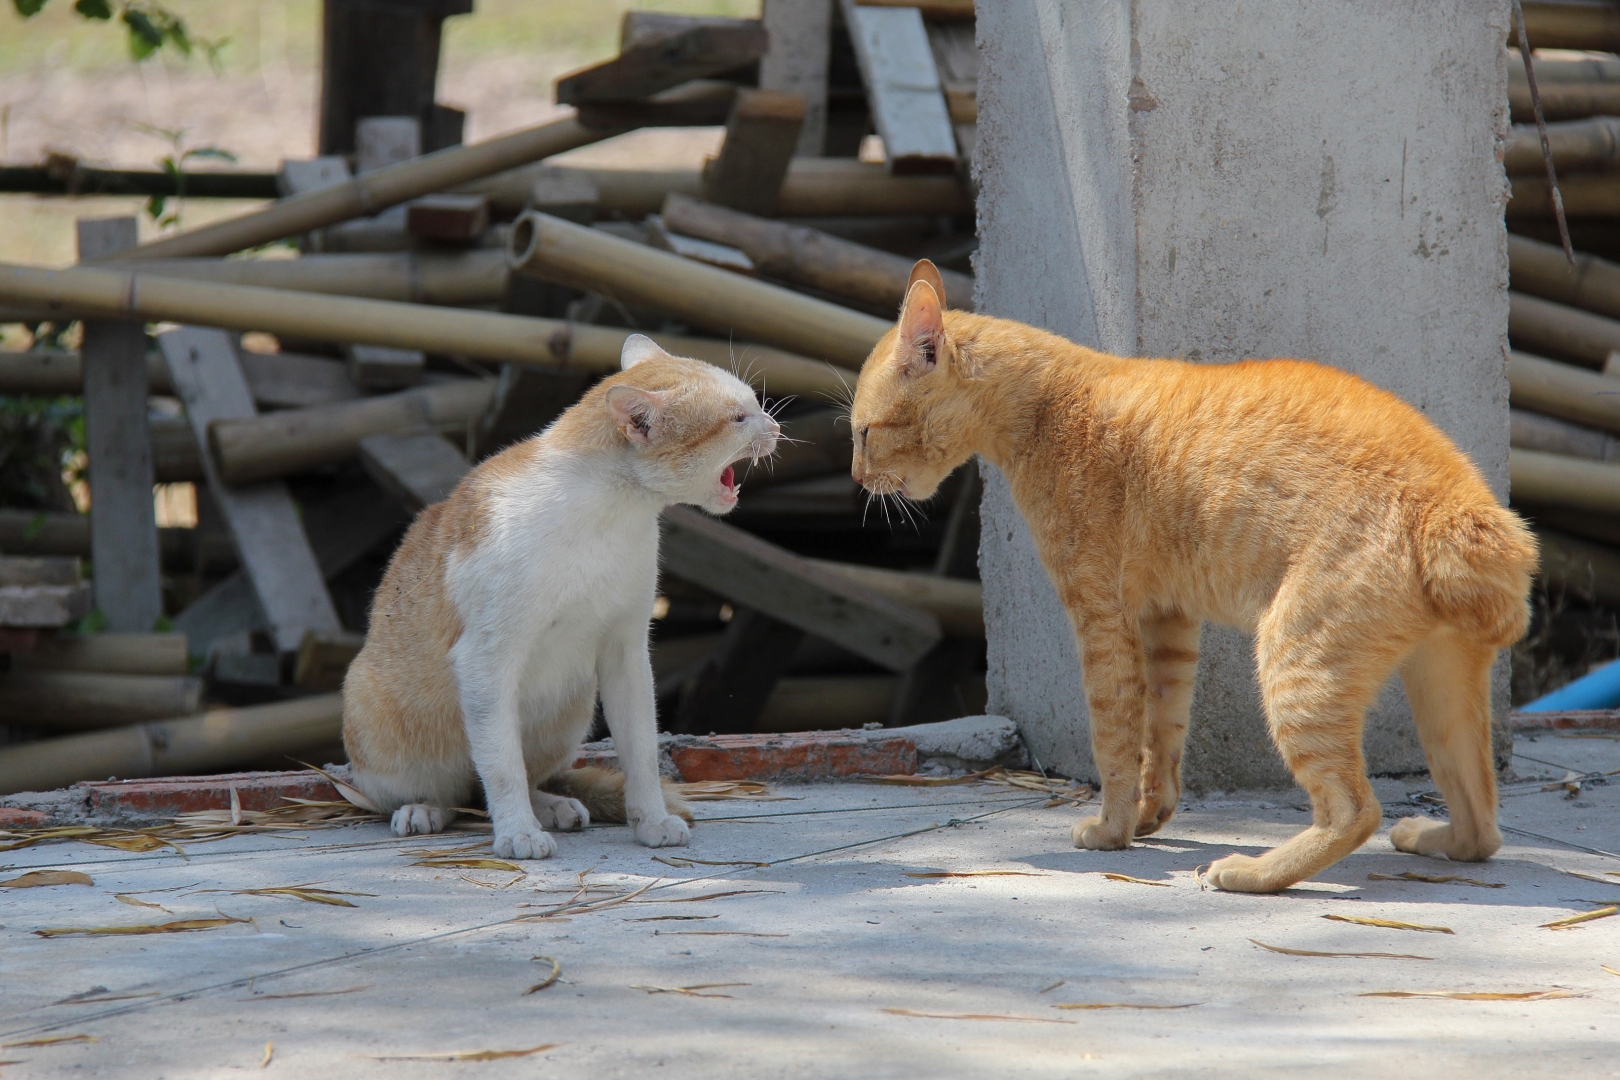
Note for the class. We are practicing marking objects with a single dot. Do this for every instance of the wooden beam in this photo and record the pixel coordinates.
(377, 367)
(801, 37)
(263, 520)
(526, 400)
(762, 134)
(902, 87)
(62, 701)
(419, 468)
(755, 573)
(664, 62)
(459, 219)
(123, 525)
(731, 688)
(382, 59)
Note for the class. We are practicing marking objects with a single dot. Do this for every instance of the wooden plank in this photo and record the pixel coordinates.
(382, 59)
(902, 87)
(452, 218)
(302, 177)
(730, 690)
(526, 400)
(296, 381)
(664, 62)
(123, 524)
(755, 573)
(381, 141)
(801, 39)
(377, 367)
(645, 27)
(762, 134)
(263, 519)
(956, 56)
(419, 468)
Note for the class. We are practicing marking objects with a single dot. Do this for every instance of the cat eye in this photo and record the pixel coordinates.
(739, 418)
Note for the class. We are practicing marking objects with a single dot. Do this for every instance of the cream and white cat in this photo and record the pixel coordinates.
(512, 603)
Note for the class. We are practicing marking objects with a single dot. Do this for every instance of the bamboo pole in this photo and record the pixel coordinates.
(1579, 566)
(1541, 270)
(1544, 326)
(52, 372)
(1563, 390)
(1533, 431)
(814, 702)
(1576, 145)
(1563, 101)
(958, 604)
(82, 701)
(814, 187)
(1591, 69)
(119, 293)
(463, 277)
(208, 743)
(375, 191)
(558, 250)
(1556, 480)
(808, 256)
(109, 654)
(1585, 195)
(1551, 24)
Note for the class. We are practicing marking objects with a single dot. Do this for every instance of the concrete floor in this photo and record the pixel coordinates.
(825, 939)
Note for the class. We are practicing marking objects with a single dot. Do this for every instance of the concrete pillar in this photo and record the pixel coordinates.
(1218, 181)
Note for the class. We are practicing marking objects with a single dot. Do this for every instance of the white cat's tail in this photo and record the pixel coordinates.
(602, 792)
(1476, 564)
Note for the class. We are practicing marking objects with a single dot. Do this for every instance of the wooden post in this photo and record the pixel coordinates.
(643, 69)
(419, 468)
(123, 523)
(731, 688)
(902, 87)
(526, 400)
(382, 59)
(264, 522)
(800, 34)
(761, 136)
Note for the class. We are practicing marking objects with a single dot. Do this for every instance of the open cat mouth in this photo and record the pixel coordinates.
(728, 484)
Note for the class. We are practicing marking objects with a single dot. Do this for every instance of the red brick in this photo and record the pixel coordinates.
(166, 796)
(1567, 720)
(809, 755)
(13, 818)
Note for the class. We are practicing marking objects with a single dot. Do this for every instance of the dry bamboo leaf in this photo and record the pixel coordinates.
(1470, 995)
(1587, 916)
(180, 927)
(1390, 924)
(672, 918)
(682, 863)
(714, 896)
(471, 864)
(689, 991)
(1052, 986)
(556, 973)
(311, 896)
(1136, 880)
(468, 1055)
(348, 792)
(36, 879)
(976, 1016)
(1442, 879)
(99, 994)
(441, 853)
(714, 933)
(1589, 877)
(908, 780)
(973, 873)
(1350, 955)
(719, 790)
(269, 1047)
(137, 842)
(306, 993)
(1610, 970)
(1121, 1005)
(125, 898)
(507, 884)
(49, 1042)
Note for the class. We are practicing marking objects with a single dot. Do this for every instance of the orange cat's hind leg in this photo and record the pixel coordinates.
(1171, 644)
(1448, 682)
(1114, 668)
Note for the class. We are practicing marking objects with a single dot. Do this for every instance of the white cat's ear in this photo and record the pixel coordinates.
(639, 347)
(922, 328)
(925, 270)
(635, 411)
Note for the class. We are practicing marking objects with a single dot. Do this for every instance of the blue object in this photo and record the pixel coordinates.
(1598, 689)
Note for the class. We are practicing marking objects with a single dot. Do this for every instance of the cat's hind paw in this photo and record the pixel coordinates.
(419, 819)
(668, 831)
(528, 842)
(559, 812)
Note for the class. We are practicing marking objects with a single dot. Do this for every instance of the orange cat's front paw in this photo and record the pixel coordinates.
(1243, 873)
(1090, 833)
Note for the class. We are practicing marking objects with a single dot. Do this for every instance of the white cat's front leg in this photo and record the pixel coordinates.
(625, 675)
(489, 710)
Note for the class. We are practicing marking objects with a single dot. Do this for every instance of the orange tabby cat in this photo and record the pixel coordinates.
(1283, 497)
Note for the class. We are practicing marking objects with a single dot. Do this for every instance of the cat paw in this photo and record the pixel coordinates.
(564, 815)
(1152, 818)
(668, 831)
(418, 819)
(1242, 873)
(1089, 833)
(524, 843)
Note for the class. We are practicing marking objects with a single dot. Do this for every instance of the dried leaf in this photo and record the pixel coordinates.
(672, 918)
(908, 780)
(976, 1016)
(1121, 1005)
(1136, 880)
(682, 863)
(306, 892)
(507, 884)
(306, 994)
(1587, 916)
(98, 994)
(36, 879)
(713, 933)
(1052, 986)
(236, 819)
(471, 864)
(1610, 970)
(1438, 880)
(125, 898)
(973, 873)
(49, 1042)
(137, 842)
(714, 896)
(348, 791)
(689, 991)
(269, 1047)
(1470, 995)
(468, 1055)
(440, 853)
(1390, 924)
(180, 927)
(1352, 955)
(718, 790)
(556, 973)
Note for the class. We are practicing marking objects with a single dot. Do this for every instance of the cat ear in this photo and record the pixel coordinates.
(639, 347)
(635, 411)
(924, 270)
(922, 328)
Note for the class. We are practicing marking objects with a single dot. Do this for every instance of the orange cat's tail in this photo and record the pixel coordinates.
(601, 791)
(1476, 564)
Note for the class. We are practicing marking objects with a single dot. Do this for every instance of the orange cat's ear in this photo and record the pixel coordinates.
(922, 328)
(924, 270)
(635, 411)
(639, 347)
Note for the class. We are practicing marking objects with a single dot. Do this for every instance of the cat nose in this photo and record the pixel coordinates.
(857, 473)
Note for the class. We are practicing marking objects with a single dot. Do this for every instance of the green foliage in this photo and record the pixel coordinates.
(40, 438)
(150, 26)
(173, 163)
